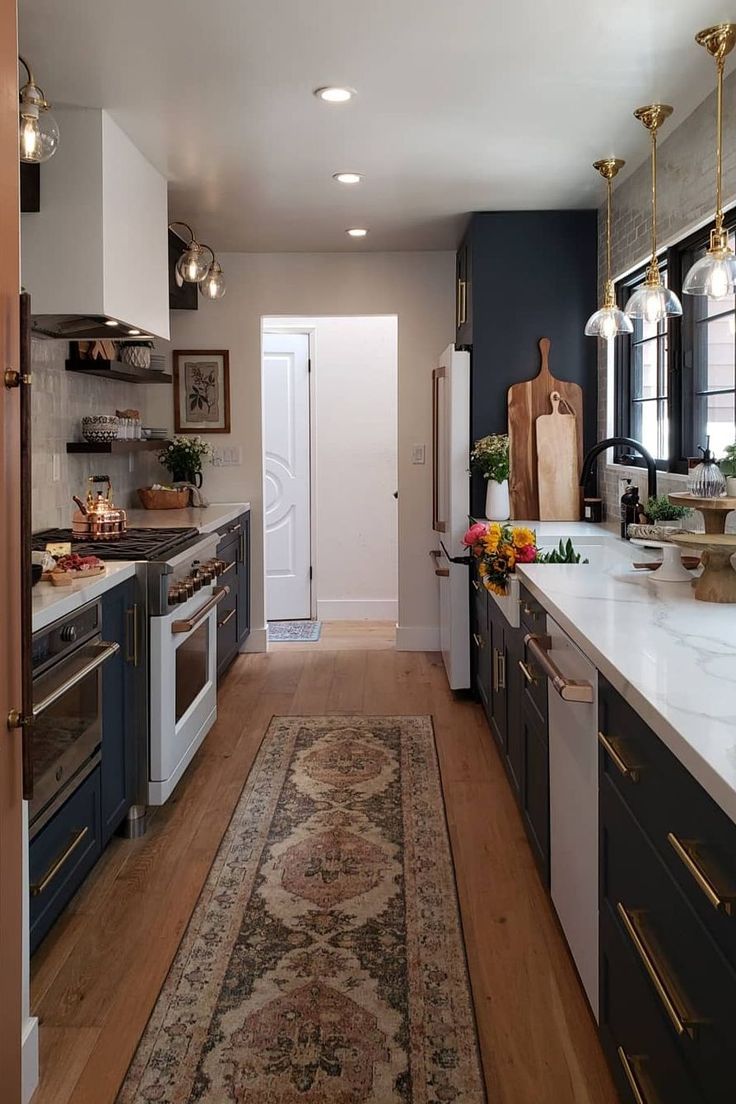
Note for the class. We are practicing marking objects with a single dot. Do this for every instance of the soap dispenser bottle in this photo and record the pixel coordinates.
(706, 479)
(629, 508)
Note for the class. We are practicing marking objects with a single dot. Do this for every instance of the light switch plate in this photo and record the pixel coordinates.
(418, 454)
(56, 467)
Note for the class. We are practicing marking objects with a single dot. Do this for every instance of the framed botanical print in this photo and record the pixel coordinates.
(201, 391)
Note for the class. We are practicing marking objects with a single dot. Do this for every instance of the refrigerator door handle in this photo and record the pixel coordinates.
(438, 524)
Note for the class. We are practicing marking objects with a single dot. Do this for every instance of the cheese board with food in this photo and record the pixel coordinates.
(72, 567)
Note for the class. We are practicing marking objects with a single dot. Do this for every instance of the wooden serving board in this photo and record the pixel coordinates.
(526, 402)
(557, 463)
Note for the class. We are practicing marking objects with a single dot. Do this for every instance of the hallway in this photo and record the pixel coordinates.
(98, 974)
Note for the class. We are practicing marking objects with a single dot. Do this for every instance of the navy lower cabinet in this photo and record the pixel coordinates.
(233, 613)
(123, 680)
(667, 910)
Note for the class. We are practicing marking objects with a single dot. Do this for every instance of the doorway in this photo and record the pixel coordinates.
(330, 462)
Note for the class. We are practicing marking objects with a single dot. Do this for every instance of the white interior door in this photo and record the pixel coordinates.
(286, 475)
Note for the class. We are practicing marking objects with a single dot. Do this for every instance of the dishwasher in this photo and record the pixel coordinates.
(572, 682)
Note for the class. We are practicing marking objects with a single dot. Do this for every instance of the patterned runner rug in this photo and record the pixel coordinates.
(300, 631)
(324, 962)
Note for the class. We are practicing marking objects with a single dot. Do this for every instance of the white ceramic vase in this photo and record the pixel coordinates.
(497, 500)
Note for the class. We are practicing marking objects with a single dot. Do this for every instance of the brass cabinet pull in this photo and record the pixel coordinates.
(235, 528)
(462, 303)
(443, 572)
(228, 617)
(722, 900)
(241, 548)
(494, 671)
(528, 609)
(631, 1077)
(682, 1020)
(478, 640)
(501, 677)
(476, 584)
(571, 690)
(528, 674)
(191, 623)
(90, 657)
(628, 770)
(59, 862)
(230, 567)
(131, 614)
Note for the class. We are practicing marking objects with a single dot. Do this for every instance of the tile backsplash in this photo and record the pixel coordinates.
(60, 400)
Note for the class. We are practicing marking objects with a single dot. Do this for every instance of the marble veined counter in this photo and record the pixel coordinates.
(672, 658)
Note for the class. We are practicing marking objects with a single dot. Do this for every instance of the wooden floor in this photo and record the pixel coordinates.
(96, 977)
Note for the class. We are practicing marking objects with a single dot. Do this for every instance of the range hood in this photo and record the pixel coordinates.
(95, 257)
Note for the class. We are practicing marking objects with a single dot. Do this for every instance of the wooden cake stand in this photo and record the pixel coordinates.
(718, 581)
(714, 510)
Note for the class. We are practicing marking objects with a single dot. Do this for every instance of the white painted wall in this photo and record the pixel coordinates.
(419, 289)
(354, 457)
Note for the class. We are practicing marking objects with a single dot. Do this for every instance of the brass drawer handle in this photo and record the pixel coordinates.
(37, 888)
(235, 528)
(501, 678)
(722, 900)
(570, 690)
(527, 609)
(631, 1077)
(228, 617)
(230, 567)
(191, 623)
(476, 584)
(528, 674)
(131, 635)
(628, 770)
(681, 1019)
(494, 671)
(479, 640)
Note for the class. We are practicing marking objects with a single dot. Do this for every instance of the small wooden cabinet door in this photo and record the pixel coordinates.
(122, 622)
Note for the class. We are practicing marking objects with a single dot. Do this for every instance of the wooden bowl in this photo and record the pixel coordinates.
(177, 499)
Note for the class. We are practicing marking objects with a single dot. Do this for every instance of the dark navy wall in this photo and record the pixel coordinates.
(534, 274)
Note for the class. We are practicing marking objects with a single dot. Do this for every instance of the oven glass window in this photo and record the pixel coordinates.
(63, 738)
(192, 665)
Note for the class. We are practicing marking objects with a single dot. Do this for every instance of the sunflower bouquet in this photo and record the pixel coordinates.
(498, 547)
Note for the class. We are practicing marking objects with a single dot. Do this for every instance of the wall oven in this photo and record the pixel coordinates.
(65, 738)
(183, 680)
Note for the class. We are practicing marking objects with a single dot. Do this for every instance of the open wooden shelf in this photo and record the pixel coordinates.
(115, 446)
(116, 370)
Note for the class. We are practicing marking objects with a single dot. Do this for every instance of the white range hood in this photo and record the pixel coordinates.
(98, 248)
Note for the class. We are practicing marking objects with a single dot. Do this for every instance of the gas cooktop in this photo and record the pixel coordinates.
(135, 544)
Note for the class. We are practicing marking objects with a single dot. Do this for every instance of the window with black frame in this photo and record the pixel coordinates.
(676, 379)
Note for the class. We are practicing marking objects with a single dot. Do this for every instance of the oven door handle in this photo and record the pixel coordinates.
(102, 651)
(191, 623)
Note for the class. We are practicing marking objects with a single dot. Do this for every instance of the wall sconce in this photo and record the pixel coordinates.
(38, 132)
(195, 267)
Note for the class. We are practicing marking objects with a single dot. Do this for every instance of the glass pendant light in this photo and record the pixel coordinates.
(38, 133)
(194, 263)
(714, 274)
(213, 284)
(609, 321)
(653, 301)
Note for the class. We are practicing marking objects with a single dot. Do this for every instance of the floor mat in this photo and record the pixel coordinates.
(324, 961)
(303, 631)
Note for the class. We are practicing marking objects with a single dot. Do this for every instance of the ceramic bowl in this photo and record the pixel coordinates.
(100, 428)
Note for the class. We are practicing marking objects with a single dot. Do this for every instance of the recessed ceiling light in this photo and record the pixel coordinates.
(332, 93)
(347, 178)
(111, 322)
(134, 333)
(356, 232)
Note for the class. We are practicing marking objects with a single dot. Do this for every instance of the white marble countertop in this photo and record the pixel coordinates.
(205, 518)
(671, 657)
(52, 602)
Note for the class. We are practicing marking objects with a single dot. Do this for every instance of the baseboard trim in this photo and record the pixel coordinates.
(256, 641)
(417, 638)
(358, 609)
(29, 1061)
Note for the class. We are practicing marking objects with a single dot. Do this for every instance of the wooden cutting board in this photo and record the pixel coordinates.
(526, 402)
(557, 463)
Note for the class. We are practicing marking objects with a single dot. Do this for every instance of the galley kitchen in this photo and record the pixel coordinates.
(367, 534)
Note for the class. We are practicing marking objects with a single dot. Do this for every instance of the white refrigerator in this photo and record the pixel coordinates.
(450, 503)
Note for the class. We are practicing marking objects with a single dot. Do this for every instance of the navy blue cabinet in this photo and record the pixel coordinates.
(122, 621)
(233, 620)
(522, 275)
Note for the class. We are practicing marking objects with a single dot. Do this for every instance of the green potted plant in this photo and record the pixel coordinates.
(660, 511)
(490, 456)
(728, 467)
(183, 457)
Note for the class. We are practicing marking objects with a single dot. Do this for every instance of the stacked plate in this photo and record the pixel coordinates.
(158, 362)
(155, 433)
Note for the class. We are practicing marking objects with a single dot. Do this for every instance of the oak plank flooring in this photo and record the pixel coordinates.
(97, 976)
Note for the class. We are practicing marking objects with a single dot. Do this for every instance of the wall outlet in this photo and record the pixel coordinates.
(217, 460)
(418, 454)
(232, 455)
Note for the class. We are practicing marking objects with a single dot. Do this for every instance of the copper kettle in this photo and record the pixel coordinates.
(99, 519)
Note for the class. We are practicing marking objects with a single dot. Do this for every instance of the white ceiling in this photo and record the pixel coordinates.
(462, 105)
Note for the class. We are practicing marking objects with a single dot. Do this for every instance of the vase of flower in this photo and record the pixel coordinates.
(183, 459)
(490, 457)
(497, 500)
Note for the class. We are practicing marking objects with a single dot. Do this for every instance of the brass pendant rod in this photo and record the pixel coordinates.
(654, 195)
(609, 188)
(719, 145)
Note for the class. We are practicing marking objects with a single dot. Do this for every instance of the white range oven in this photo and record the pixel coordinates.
(182, 663)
